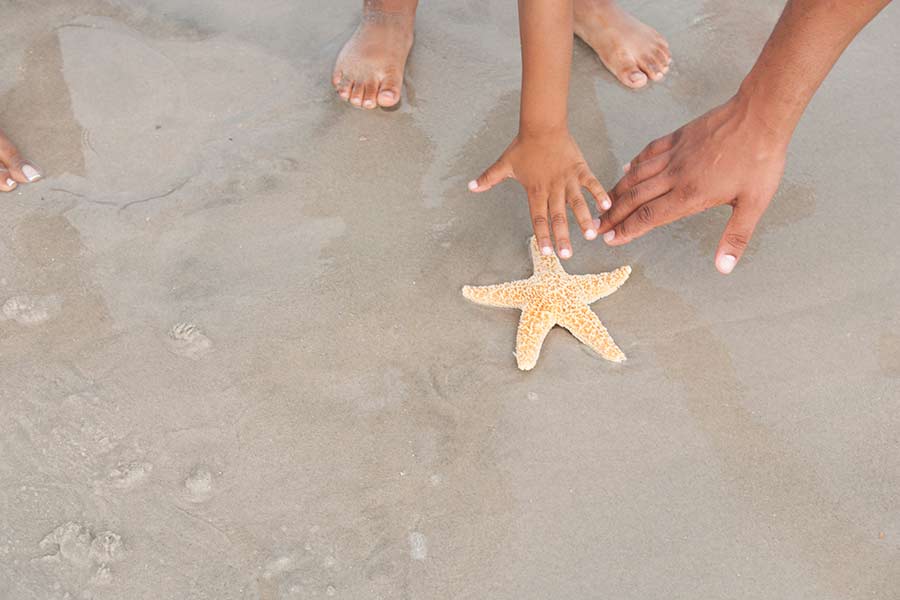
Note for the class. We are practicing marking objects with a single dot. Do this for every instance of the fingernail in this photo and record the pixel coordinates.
(725, 263)
(31, 174)
(565, 253)
(637, 77)
(590, 234)
(609, 236)
(606, 203)
(473, 185)
(10, 182)
(546, 250)
(626, 167)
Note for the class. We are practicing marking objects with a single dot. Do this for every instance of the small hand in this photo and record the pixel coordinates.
(723, 157)
(13, 168)
(552, 170)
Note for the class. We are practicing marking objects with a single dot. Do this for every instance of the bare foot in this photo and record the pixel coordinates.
(369, 69)
(13, 168)
(631, 50)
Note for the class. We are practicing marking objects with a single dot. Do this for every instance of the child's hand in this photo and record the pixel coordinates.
(552, 170)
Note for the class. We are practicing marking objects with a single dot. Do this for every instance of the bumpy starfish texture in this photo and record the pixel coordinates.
(550, 297)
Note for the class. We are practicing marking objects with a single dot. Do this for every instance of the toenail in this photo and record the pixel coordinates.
(626, 167)
(31, 174)
(10, 182)
(565, 253)
(609, 236)
(546, 250)
(388, 95)
(637, 77)
(473, 185)
(370, 104)
(590, 234)
(606, 203)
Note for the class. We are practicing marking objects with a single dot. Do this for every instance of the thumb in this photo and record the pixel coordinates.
(496, 173)
(738, 232)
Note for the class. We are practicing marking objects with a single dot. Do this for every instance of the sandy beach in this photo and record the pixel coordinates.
(235, 362)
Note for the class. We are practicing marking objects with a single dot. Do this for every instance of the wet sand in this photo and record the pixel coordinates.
(235, 362)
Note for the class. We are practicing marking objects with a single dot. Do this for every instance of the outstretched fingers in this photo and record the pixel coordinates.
(738, 231)
(581, 211)
(537, 206)
(494, 174)
(654, 148)
(559, 223)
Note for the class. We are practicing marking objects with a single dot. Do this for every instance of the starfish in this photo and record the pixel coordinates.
(550, 297)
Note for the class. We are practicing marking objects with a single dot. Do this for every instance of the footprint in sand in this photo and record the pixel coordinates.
(198, 486)
(188, 340)
(77, 545)
(126, 476)
(30, 310)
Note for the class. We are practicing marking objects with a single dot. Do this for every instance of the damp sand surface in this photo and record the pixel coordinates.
(235, 362)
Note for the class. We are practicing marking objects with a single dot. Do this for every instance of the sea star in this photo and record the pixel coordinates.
(550, 297)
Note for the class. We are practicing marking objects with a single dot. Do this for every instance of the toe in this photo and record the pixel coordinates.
(653, 70)
(343, 89)
(628, 71)
(369, 95)
(389, 93)
(7, 183)
(336, 78)
(356, 94)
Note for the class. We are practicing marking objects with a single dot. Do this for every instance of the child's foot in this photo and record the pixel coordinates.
(369, 69)
(632, 51)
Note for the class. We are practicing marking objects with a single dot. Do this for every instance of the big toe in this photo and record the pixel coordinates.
(389, 93)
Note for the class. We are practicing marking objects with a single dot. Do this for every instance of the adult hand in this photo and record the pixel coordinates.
(552, 170)
(726, 156)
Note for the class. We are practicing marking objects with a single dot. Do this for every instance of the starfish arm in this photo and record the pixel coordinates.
(534, 325)
(586, 326)
(594, 287)
(541, 263)
(504, 295)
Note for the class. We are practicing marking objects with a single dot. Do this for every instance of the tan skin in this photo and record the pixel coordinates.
(735, 153)
(544, 157)
(14, 169)
(368, 72)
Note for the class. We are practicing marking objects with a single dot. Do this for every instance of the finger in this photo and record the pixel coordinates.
(654, 148)
(738, 231)
(640, 171)
(7, 183)
(20, 170)
(601, 198)
(494, 174)
(632, 198)
(537, 206)
(657, 212)
(559, 223)
(581, 211)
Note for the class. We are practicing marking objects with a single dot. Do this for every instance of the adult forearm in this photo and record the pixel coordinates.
(806, 42)
(546, 34)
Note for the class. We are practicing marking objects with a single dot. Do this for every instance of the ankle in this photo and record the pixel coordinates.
(389, 10)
